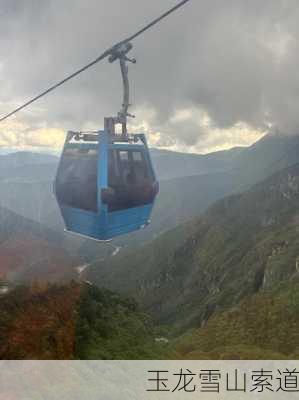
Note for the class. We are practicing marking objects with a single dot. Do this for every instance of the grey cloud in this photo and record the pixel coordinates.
(235, 59)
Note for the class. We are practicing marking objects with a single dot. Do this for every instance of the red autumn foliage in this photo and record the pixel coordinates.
(39, 322)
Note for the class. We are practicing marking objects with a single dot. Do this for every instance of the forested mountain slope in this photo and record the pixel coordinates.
(264, 326)
(73, 321)
(242, 244)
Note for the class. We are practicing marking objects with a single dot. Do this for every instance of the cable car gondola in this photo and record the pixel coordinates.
(105, 184)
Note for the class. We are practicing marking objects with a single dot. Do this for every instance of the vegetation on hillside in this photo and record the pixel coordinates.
(109, 327)
(38, 322)
(83, 322)
(264, 326)
(73, 321)
(242, 244)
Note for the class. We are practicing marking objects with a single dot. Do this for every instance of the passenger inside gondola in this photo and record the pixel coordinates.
(130, 180)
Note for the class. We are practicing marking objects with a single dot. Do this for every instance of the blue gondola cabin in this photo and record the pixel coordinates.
(105, 187)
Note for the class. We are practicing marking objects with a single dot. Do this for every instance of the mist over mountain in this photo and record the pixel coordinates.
(30, 251)
(188, 185)
(170, 164)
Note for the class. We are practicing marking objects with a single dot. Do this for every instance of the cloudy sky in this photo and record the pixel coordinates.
(216, 74)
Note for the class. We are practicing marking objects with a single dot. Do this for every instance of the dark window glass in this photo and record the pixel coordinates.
(141, 171)
(76, 183)
(130, 180)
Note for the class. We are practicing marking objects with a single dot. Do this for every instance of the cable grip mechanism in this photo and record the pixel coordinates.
(119, 52)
